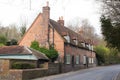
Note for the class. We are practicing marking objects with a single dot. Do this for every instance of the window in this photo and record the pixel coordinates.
(76, 41)
(83, 44)
(77, 59)
(87, 45)
(92, 47)
(90, 60)
(67, 38)
(68, 59)
(84, 59)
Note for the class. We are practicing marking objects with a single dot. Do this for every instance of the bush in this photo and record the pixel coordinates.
(3, 39)
(102, 53)
(1, 44)
(19, 65)
(51, 53)
(35, 45)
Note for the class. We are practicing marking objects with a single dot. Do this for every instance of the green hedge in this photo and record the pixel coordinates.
(51, 53)
(19, 65)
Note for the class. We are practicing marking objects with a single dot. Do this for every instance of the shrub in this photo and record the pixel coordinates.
(51, 53)
(19, 65)
(1, 44)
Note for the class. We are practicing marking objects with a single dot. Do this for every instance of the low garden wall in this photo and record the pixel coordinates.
(25, 74)
(31, 73)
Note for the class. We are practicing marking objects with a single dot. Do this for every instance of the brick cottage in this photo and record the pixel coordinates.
(75, 52)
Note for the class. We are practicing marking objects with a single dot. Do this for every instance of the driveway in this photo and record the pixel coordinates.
(98, 73)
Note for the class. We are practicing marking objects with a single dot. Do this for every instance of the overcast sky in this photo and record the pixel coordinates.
(19, 11)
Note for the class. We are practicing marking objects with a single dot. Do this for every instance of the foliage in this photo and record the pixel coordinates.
(23, 30)
(85, 29)
(111, 8)
(111, 32)
(51, 53)
(19, 65)
(101, 53)
(3, 39)
(35, 45)
(11, 42)
(107, 55)
(1, 44)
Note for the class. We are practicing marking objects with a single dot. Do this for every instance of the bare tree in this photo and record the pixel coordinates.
(23, 29)
(111, 8)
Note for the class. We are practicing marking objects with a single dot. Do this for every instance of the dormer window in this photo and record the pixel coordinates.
(83, 44)
(92, 47)
(67, 37)
(75, 41)
(87, 45)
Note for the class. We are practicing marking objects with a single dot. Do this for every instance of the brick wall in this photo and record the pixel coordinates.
(25, 74)
(73, 51)
(38, 30)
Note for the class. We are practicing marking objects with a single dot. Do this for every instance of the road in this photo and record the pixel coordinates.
(98, 73)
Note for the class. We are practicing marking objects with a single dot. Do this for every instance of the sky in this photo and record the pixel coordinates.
(21, 11)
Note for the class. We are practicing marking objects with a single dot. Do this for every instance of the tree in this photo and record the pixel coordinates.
(111, 8)
(111, 32)
(23, 29)
(3, 40)
(85, 29)
(101, 54)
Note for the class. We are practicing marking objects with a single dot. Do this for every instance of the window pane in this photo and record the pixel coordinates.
(77, 59)
(68, 59)
(84, 59)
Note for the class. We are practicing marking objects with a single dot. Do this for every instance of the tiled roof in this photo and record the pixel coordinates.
(21, 50)
(62, 30)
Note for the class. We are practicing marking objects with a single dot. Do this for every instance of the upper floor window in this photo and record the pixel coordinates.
(67, 37)
(87, 45)
(83, 44)
(92, 47)
(76, 41)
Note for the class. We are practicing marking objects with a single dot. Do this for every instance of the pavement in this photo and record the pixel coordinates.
(97, 73)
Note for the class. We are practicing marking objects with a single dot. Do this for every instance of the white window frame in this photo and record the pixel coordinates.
(68, 59)
(84, 59)
(76, 41)
(77, 59)
(67, 37)
(92, 61)
(83, 44)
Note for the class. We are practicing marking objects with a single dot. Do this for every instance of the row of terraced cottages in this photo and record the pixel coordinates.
(75, 52)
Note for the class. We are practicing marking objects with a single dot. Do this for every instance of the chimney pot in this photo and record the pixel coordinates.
(47, 3)
(61, 21)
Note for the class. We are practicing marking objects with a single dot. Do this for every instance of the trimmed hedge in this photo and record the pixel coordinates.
(19, 65)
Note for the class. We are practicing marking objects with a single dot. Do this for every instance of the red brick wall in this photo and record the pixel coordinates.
(33, 32)
(38, 30)
(73, 51)
(59, 45)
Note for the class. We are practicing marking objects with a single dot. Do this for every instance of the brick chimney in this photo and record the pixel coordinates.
(46, 17)
(61, 21)
(46, 11)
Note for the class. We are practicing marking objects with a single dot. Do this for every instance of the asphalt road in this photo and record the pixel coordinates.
(98, 73)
